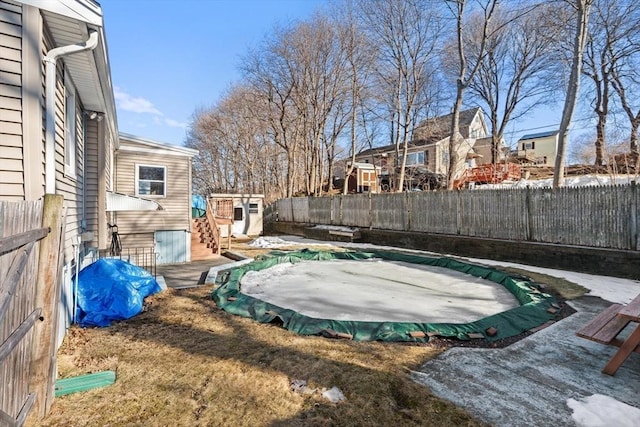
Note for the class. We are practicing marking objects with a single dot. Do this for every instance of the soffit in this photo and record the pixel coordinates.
(81, 66)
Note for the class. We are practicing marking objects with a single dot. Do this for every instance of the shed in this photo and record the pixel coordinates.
(247, 213)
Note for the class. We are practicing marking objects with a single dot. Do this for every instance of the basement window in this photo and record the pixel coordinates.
(151, 180)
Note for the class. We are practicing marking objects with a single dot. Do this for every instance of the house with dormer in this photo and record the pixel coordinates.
(429, 147)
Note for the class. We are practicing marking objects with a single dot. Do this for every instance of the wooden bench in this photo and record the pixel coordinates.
(606, 327)
(351, 234)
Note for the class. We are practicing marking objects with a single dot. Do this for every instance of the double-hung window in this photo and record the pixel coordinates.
(151, 180)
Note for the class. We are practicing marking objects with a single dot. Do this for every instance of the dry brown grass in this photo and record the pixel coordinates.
(184, 362)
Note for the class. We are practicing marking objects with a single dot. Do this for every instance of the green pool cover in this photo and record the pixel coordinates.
(536, 307)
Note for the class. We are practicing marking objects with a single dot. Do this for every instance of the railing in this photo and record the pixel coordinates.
(223, 208)
(145, 258)
(213, 225)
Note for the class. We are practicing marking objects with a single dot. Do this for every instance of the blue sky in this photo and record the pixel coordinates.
(169, 57)
(172, 57)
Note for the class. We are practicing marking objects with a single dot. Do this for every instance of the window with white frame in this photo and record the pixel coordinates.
(70, 123)
(253, 208)
(414, 159)
(151, 180)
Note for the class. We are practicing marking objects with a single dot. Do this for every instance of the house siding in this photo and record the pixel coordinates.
(91, 179)
(11, 144)
(137, 228)
(67, 186)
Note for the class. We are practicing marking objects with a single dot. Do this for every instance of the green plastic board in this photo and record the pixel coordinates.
(84, 382)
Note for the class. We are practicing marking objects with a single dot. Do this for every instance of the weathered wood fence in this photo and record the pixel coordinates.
(29, 265)
(596, 216)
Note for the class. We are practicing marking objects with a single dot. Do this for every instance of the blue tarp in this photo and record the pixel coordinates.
(112, 289)
(198, 202)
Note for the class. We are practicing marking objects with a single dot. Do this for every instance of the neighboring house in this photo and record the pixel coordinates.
(472, 125)
(149, 171)
(58, 126)
(538, 149)
(429, 147)
(482, 148)
(247, 213)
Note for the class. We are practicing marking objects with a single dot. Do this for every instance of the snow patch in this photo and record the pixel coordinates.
(569, 181)
(603, 411)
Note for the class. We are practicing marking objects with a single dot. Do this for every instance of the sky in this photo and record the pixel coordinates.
(170, 58)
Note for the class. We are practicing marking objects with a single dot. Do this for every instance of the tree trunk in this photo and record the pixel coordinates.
(454, 140)
(600, 137)
(572, 90)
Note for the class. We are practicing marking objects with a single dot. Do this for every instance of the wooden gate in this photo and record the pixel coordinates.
(27, 318)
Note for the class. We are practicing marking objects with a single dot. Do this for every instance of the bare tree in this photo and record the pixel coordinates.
(582, 19)
(406, 34)
(625, 53)
(515, 69)
(611, 43)
(466, 70)
(268, 72)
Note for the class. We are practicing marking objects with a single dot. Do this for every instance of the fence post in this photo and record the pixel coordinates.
(635, 245)
(43, 369)
(527, 213)
(370, 212)
(458, 213)
(407, 205)
(293, 215)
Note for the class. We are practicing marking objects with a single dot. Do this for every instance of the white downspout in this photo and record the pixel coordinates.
(50, 107)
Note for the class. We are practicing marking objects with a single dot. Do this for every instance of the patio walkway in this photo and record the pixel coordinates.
(188, 275)
(529, 382)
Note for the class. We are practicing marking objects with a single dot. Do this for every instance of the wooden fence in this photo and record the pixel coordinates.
(596, 216)
(29, 279)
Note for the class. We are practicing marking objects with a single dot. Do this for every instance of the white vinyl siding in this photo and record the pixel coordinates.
(11, 148)
(70, 123)
(91, 178)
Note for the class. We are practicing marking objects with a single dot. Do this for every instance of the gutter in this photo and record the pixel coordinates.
(50, 60)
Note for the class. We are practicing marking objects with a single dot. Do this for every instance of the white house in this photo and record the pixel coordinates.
(538, 148)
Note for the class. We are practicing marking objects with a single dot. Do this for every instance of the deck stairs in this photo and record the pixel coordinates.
(206, 239)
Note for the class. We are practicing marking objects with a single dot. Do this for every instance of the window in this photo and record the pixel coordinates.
(253, 208)
(414, 159)
(70, 122)
(237, 214)
(529, 145)
(151, 180)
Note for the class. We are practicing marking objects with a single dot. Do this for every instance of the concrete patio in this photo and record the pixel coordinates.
(529, 382)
